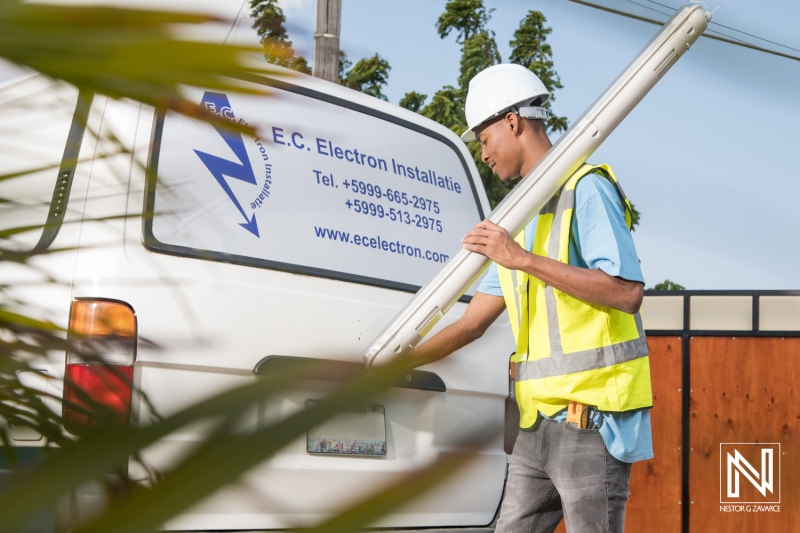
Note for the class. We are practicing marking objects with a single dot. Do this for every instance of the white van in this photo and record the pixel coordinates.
(222, 256)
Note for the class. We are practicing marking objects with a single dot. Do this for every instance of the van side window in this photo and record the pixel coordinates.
(41, 126)
(330, 188)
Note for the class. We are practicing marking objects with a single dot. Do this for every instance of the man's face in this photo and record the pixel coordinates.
(500, 149)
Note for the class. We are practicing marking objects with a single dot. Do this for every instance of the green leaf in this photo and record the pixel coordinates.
(127, 53)
(227, 455)
(8, 318)
(101, 451)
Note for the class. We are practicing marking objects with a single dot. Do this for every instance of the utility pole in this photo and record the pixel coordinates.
(326, 40)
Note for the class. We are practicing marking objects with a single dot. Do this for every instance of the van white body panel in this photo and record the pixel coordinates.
(204, 323)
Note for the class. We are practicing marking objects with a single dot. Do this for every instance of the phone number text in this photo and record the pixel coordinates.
(395, 215)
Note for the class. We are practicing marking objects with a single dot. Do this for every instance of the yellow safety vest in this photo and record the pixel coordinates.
(568, 349)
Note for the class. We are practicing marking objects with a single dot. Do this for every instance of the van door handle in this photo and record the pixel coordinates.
(327, 370)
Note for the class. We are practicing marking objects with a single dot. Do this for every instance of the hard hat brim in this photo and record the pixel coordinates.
(468, 136)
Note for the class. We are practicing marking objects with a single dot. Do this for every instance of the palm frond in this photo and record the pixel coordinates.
(127, 53)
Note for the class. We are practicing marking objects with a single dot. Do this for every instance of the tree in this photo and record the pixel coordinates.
(468, 20)
(465, 17)
(413, 101)
(668, 285)
(529, 48)
(479, 52)
(270, 23)
(369, 75)
(447, 108)
(635, 216)
(344, 66)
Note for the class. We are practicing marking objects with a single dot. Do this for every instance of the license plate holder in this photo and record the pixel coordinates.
(359, 431)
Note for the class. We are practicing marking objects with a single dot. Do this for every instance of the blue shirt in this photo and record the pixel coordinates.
(599, 238)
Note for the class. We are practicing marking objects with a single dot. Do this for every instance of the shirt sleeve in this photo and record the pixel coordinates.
(600, 235)
(491, 282)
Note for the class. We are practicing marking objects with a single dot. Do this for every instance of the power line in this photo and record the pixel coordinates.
(238, 14)
(724, 26)
(670, 14)
(722, 35)
(651, 8)
(729, 40)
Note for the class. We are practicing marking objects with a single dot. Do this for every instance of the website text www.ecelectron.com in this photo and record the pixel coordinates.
(378, 243)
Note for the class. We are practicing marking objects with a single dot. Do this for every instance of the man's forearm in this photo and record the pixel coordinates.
(481, 312)
(590, 285)
(447, 341)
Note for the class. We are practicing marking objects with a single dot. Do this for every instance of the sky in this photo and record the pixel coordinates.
(707, 157)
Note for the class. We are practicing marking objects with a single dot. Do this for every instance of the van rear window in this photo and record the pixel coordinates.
(329, 188)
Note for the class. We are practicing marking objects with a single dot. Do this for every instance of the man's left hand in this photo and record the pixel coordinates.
(495, 243)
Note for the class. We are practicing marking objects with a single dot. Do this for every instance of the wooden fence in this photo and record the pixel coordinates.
(725, 367)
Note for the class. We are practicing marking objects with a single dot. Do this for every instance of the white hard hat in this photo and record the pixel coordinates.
(500, 88)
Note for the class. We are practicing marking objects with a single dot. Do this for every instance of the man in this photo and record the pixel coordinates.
(572, 285)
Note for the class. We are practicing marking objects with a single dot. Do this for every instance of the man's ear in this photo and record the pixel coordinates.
(513, 122)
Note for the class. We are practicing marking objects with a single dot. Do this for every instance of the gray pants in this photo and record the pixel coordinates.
(559, 471)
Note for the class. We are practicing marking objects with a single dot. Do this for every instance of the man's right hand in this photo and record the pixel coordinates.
(496, 243)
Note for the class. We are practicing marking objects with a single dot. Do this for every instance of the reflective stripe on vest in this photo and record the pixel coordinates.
(568, 349)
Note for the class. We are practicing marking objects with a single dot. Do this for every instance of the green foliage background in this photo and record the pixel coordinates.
(467, 20)
(668, 285)
(270, 24)
(369, 74)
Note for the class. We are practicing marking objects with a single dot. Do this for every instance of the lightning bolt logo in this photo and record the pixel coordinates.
(221, 168)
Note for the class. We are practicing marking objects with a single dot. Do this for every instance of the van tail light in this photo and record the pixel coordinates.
(512, 411)
(98, 379)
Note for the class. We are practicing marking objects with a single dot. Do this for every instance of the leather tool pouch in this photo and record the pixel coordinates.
(578, 415)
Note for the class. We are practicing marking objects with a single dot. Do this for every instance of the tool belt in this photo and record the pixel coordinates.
(579, 415)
